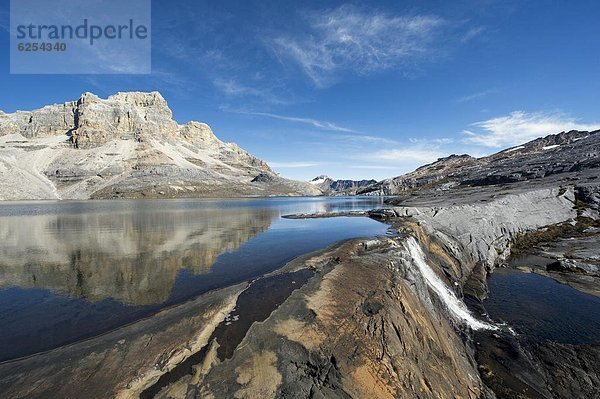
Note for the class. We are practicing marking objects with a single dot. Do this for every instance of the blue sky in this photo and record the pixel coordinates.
(357, 89)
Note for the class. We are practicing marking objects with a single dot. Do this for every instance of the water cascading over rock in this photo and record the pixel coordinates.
(454, 305)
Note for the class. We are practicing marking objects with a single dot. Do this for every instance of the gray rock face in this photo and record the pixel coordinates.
(140, 116)
(127, 145)
(48, 121)
(557, 154)
(589, 194)
(348, 187)
(365, 327)
(487, 229)
(476, 228)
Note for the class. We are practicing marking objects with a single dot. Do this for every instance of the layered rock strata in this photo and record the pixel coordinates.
(127, 145)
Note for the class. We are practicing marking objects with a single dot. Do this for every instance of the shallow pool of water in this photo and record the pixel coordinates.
(542, 308)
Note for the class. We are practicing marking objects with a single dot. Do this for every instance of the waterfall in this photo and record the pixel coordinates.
(456, 307)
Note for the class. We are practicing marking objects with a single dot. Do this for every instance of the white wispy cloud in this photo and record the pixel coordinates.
(323, 125)
(399, 160)
(364, 41)
(173, 81)
(434, 141)
(476, 96)
(408, 155)
(342, 133)
(472, 33)
(232, 88)
(110, 58)
(519, 127)
(365, 138)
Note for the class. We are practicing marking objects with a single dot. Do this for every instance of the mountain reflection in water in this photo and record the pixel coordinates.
(71, 270)
(133, 257)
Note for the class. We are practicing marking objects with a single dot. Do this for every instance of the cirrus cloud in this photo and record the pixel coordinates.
(519, 127)
(364, 41)
(409, 155)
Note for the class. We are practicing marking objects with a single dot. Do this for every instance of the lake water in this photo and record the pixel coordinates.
(542, 308)
(72, 270)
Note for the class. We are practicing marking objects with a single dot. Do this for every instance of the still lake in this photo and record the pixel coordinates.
(75, 269)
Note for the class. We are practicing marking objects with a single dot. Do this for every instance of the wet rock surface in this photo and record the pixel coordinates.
(360, 328)
(550, 224)
(527, 365)
(472, 231)
(523, 368)
(123, 362)
(569, 253)
(254, 305)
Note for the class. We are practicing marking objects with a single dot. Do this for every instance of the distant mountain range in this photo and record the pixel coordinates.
(551, 155)
(330, 186)
(127, 145)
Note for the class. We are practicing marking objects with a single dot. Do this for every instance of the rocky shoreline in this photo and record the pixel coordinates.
(480, 235)
(325, 215)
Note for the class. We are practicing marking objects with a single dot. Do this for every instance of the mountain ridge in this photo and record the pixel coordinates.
(340, 187)
(126, 145)
(553, 154)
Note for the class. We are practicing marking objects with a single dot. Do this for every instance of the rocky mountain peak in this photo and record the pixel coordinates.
(92, 121)
(198, 132)
(321, 178)
(125, 145)
(141, 99)
(136, 115)
(88, 97)
(453, 157)
(558, 139)
(330, 186)
(555, 154)
(451, 160)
